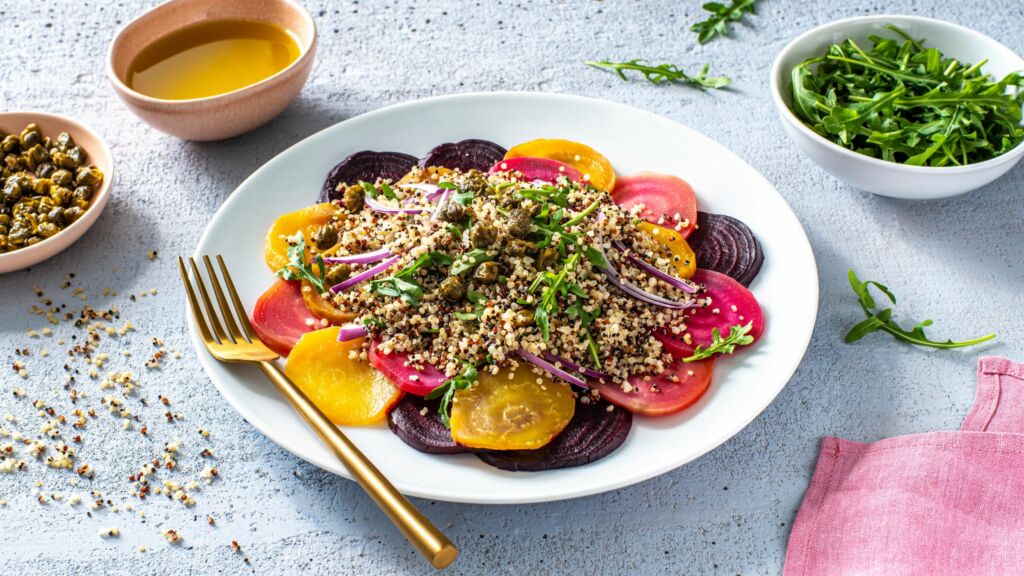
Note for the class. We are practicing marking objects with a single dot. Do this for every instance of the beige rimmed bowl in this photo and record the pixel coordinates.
(224, 115)
(99, 155)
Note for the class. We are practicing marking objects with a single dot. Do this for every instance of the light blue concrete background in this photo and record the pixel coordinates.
(957, 261)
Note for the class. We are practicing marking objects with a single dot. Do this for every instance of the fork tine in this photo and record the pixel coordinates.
(225, 308)
(197, 312)
(214, 321)
(243, 318)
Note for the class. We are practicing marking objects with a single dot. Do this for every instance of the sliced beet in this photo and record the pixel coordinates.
(406, 378)
(731, 305)
(465, 155)
(366, 166)
(725, 244)
(537, 169)
(418, 424)
(592, 434)
(679, 386)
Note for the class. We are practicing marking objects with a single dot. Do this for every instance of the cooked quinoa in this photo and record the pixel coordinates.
(489, 315)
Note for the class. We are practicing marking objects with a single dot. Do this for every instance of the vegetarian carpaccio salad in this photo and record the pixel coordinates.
(522, 305)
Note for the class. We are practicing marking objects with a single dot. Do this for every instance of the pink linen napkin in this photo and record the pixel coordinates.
(924, 504)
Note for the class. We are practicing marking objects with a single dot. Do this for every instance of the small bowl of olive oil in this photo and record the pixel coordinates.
(213, 69)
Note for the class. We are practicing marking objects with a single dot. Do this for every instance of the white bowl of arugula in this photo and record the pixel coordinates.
(902, 106)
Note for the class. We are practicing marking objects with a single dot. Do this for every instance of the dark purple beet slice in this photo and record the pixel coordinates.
(726, 245)
(465, 155)
(424, 432)
(592, 434)
(366, 166)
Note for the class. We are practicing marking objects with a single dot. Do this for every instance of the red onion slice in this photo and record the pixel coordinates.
(639, 294)
(364, 275)
(364, 258)
(588, 372)
(351, 332)
(551, 368)
(378, 206)
(650, 269)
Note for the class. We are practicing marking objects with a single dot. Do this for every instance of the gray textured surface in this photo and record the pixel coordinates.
(727, 513)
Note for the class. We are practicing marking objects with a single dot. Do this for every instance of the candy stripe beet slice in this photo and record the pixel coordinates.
(406, 378)
(418, 424)
(366, 166)
(538, 169)
(592, 434)
(465, 155)
(731, 305)
(725, 244)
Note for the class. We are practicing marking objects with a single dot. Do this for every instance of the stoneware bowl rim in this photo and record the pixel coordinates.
(306, 48)
(32, 255)
(781, 103)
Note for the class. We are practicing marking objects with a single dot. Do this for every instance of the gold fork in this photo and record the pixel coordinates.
(243, 345)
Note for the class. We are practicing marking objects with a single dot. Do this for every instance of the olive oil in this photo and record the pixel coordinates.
(211, 58)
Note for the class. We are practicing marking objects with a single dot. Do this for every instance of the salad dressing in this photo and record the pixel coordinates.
(211, 58)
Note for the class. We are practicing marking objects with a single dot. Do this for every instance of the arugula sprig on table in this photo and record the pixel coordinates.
(738, 336)
(721, 19)
(902, 102)
(660, 73)
(881, 320)
(298, 269)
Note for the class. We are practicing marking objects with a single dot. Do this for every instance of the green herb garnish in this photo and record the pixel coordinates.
(469, 261)
(555, 286)
(385, 190)
(902, 102)
(478, 301)
(738, 336)
(721, 18)
(447, 390)
(298, 269)
(402, 285)
(882, 320)
(656, 74)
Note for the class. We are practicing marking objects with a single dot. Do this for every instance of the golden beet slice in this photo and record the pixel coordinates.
(306, 220)
(683, 259)
(349, 391)
(592, 164)
(499, 413)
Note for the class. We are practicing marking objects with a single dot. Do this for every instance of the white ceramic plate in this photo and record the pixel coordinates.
(634, 141)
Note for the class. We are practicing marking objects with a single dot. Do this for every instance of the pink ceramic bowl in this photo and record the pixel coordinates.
(99, 156)
(224, 115)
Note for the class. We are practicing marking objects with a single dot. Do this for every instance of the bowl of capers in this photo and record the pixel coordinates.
(55, 177)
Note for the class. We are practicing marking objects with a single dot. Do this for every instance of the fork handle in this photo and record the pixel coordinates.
(431, 542)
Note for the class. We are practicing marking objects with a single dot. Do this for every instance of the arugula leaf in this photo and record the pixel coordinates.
(595, 257)
(721, 17)
(738, 336)
(372, 191)
(428, 260)
(469, 261)
(555, 286)
(658, 73)
(577, 311)
(447, 390)
(298, 269)
(478, 301)
(882, 320)
(396, 287)
(901, 102)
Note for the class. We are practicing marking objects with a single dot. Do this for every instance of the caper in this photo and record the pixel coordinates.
(47, 229)
(82, 194)
(72, 214)
(482, 234)
(476, 182)
(62, 177)
(10, 144)
(35, 156)
(64, 141)
(325, 236)
(42, 186)
(452, 289)
(519, 247)
(354, 198)
(63, 160)
(11, 191)
(45, 170)
(337, 274)
(88, 176)
(486, 272)
(547, 257)
(451, 211)
(523, 318)
(520, 222)
(33, 240)
(78, 155)
(30, 136)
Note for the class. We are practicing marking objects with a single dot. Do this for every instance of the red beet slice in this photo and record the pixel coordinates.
(538, 169)
(366, 166)
(279, 317)
(731, 304)
(418, 424)
(725, 244)
(663, 196)
(465, 155)
(406, 378)
(678, 387)
(592, 434)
